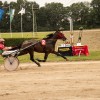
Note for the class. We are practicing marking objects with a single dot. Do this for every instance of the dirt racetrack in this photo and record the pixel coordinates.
(52, 81)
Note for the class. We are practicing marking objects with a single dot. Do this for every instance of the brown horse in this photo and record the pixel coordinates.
(29, 46)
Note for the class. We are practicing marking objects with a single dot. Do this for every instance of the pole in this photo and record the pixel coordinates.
(22, 25)
(0, 34)
(21, 22)
(71, 25)
(71, 31)
(33, 19)
(10, 22)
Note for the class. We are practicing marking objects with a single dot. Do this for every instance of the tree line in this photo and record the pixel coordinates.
(51, 16)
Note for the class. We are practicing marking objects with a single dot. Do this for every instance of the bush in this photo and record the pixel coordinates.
(14, 41)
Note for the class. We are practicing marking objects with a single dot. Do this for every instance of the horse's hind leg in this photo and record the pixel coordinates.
(32, 59)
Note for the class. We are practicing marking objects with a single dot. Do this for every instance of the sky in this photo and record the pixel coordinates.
(42, 2)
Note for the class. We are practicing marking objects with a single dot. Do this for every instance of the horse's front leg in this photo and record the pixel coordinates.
(32, 58)
(45, 58)
(58, 54)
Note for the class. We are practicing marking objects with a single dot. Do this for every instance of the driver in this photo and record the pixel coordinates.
(3, 47)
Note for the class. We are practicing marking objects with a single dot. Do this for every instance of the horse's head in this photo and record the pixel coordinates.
(60, 36)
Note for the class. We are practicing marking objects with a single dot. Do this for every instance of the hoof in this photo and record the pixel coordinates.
(39, 60)
(67, 59)
(39, 65)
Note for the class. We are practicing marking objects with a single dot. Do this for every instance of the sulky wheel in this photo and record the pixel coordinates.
(11, 63)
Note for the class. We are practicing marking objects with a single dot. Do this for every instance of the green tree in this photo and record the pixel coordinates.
(54, 13)
(52, 16)
(1, 3)
(96, 12)
(79, 13)
(42, 19)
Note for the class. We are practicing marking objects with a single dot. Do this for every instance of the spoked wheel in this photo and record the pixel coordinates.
(11, 63)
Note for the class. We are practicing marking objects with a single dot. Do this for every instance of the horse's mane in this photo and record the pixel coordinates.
(49, 36)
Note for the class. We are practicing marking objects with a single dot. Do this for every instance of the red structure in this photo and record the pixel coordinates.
(80, 50)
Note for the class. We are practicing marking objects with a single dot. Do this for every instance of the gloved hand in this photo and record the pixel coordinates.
(9, 47)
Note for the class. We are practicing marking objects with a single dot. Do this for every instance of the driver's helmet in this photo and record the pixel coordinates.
(2, 40)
